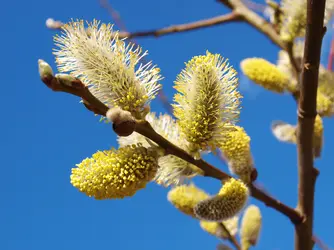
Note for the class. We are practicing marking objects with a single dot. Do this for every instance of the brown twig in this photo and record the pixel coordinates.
(230, 237)
(305, 127)
(240, 12)
(230, 17)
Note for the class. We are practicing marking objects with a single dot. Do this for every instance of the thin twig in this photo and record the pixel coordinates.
(230, 17)
(230, 237)
(240, 12)
(305, 128)
(295, 67)
(320, 243)
(114, 14)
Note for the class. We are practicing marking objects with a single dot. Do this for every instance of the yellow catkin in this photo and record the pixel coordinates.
(265, 74)
(185, 198)
(325, 107)
(236, 149)
(115, 174)
(227, 203)
(250, 227)
(206, 101)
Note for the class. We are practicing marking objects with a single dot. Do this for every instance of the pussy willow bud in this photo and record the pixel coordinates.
(45, 70)
(123, 122)
(227, 203)
(250, 227)
(185, 197)
(265, 74)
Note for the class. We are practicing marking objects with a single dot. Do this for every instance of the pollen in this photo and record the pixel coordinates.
(115, 174)
(265, 74)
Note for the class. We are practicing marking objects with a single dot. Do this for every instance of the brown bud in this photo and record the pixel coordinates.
(254, 175)
(123, 122)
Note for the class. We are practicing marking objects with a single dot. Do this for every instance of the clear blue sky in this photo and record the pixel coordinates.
(44, 134)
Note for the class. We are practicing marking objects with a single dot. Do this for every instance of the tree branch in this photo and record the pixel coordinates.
(305, 127)
(144, 128)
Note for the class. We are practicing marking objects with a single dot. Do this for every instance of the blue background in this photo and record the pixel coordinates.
(44, 134)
